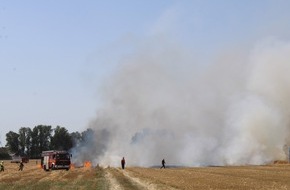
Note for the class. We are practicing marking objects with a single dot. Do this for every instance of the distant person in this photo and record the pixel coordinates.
(163, 164)
(1, 166)
(123, 162)
(21, 166)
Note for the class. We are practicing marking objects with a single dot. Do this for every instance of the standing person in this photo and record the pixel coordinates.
(21, 165)
(1, 166)
(123, 162)
(163, 164)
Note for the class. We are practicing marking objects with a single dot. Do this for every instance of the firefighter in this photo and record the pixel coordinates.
(163, 164)
(123, 162)
(21, 166)
(1, 166)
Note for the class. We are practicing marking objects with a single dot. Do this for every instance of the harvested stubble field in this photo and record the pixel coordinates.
(276, 176)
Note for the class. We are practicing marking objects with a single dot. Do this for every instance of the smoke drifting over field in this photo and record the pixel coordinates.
(162, 103)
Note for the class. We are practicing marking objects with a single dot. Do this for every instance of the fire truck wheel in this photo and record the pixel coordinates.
(44, 168)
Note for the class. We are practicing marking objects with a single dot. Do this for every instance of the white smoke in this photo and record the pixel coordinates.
(163, 103)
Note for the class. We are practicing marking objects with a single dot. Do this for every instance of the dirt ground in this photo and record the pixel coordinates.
(275, 176)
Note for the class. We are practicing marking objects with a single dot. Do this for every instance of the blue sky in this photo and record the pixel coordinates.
(55, 55)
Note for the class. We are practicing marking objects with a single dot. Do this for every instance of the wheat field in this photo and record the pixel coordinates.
(274, 176)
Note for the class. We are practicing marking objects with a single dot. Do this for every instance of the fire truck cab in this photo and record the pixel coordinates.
(55, 159)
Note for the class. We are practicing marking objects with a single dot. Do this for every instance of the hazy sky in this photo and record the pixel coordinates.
(56, 54)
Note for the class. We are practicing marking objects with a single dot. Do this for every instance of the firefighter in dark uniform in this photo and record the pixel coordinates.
(123, 162)
(163, 164)
(21, 165)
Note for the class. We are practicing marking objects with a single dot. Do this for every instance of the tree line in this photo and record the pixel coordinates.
(31, 142)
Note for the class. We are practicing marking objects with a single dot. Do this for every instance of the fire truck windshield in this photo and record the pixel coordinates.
(62, 156)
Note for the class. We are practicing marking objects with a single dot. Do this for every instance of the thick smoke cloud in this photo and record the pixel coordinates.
(91, 146)
(164, 103)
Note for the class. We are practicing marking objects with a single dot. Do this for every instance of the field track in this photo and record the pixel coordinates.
(276, 176)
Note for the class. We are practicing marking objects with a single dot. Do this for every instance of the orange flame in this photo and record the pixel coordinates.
(72, 166)
(87, 164)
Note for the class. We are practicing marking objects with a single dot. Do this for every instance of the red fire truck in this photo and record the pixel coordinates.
(55, 159)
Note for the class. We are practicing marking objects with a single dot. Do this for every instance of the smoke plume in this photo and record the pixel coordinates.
(163, 103)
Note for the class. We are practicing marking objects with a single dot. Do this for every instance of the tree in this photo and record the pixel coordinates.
(44, 137)
(87, 136)
(76, 138)
(24, 140)
(34, 151)
(12, 141)
(61, 140)
(40, 140)
(28, 141)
